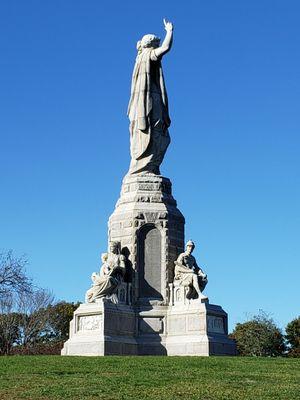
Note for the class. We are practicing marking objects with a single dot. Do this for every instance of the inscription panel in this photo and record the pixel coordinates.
(149, 262)
(89, 322)
(215, 324)
(177, 324)
(196, 323)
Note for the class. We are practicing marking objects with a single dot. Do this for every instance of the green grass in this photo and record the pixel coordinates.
(151, 378)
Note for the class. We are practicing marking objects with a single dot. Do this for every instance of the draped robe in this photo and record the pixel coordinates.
(148, 114)
(107, 282)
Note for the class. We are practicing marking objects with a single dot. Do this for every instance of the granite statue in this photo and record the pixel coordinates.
(106, 282)
(148, 105)
(189, 274)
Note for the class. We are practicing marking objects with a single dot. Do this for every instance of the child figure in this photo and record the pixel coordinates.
(105, 268)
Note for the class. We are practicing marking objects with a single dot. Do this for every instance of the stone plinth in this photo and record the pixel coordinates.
(102, 328)
(198, 329)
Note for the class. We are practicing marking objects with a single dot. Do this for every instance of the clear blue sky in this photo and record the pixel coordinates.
(233, 79)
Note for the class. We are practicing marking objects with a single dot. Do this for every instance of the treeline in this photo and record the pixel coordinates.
(42, 331)
(31, 322)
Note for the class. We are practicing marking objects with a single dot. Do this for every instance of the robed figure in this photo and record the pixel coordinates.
(110, 277)
(148, 106)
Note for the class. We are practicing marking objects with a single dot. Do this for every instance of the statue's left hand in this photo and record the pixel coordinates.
(168, 25)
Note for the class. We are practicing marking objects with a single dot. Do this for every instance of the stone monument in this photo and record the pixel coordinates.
(147, 298)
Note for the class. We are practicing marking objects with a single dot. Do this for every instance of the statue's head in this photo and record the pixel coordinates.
(190, 245)
(148, 41)
(114, 247)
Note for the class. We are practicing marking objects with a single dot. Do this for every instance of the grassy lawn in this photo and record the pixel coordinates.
(157, 378)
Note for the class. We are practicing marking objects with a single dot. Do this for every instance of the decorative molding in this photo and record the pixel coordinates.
(151, 217)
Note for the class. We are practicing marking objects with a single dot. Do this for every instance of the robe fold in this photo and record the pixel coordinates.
(148, 114)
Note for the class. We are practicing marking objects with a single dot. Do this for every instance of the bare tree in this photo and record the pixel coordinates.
(9, 324)
(24, 308)
(34, 311)
(12, 274)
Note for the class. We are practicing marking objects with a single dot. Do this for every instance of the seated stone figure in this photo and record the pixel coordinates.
(110, 277)
(189, 274)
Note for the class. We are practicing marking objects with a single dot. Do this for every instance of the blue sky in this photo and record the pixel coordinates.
(233, 79)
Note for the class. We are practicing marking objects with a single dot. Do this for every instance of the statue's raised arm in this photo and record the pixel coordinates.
(148, 110)
(167, 43)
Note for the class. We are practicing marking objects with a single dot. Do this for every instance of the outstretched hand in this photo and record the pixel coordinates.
(168, 25)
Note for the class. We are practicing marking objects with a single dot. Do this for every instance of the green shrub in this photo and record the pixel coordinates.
(293, 337)
(259, 337)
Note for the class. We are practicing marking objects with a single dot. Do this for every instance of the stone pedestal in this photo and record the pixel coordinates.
(149, 314)
(198, 329)
(102, 328)
(150, 228)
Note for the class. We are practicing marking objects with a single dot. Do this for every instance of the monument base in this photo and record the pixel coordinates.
(150, 315)
(104, 328)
